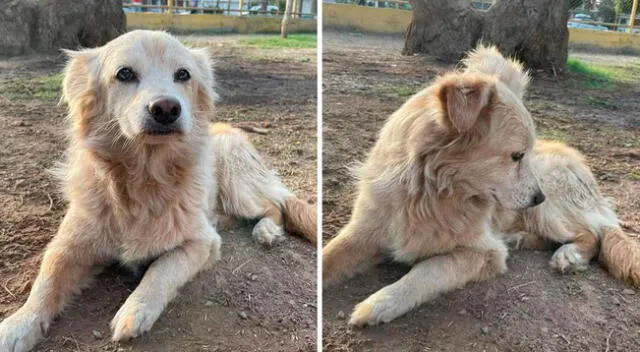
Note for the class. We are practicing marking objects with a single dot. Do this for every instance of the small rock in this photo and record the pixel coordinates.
(292, 302)
(628, 292)
(462, 312)
(97, 334)
(208, 303)
(341, 315)
(243, 315)
(254, 277)
(485, 330)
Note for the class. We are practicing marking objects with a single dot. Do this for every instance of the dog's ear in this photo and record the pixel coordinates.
(80, 87)
(80, 74)
(464, 97)
(488, 60)
(206, 93)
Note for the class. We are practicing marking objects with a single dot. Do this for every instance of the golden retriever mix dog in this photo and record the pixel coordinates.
(455, 175)
(143, 175)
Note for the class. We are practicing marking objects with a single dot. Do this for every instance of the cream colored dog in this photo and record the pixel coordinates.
(455, 175)
(143, 175)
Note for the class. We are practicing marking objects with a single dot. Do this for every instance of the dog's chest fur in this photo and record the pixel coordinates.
(149, 206)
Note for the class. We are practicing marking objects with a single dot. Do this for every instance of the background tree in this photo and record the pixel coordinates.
(534, 31)
(284, 27)
(49, 25)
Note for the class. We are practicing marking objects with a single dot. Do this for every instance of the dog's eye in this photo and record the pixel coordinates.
(517, 156)
(182, 75)
(125, 74)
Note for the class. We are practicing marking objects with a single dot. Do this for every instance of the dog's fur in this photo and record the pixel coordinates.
(139, 197)
(441, 190)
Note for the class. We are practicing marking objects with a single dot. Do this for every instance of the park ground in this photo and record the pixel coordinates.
(254, 298)
(595, 108)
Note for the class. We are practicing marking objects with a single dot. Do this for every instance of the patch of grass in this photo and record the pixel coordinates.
(294, 41)
(555, 135)
(592, 76)
(635, 176)
(44, 87)
(400, 91)
(603, 103)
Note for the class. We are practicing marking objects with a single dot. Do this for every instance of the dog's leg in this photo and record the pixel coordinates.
(575, 256)
(353, 250)
(66, 265)
(524, 240)
(428, 279)
(160, 285)
(248, 189)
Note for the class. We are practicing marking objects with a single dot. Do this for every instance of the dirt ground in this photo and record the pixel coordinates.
(255, 298)
(531, 308)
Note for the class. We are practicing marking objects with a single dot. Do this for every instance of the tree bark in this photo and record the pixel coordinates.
(534, 31)
(443, 28)
(28, 26)
(284, 27)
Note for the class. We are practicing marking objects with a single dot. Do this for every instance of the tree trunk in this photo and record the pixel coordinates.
(443, 28)
(48, 25)
(534, 31)
(285, 19)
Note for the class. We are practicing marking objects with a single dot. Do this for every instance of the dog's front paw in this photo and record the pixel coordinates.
(378, 308)
(21, 331)
(567, 259)
(134, 318)
(267, 232)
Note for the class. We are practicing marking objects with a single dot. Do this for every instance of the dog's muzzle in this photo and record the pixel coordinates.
(164, 115)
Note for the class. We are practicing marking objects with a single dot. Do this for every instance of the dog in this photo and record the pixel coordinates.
(455, 177)
(146, 175)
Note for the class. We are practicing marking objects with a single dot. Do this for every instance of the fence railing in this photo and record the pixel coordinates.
(301, 8)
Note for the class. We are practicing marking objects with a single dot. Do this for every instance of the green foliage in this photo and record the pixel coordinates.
(294, 41)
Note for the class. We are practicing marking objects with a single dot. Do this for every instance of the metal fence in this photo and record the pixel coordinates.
(301, 8)
(599, 15)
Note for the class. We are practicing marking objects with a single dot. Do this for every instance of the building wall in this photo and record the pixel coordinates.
(216, 23)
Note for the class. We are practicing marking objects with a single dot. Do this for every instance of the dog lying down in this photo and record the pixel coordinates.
(456, 175)
(145, 175)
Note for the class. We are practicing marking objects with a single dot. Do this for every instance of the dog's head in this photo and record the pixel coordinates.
(482, 133)
(143, 85)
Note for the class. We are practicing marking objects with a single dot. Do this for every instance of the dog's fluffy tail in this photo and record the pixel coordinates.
(300, 218)
(620, 254)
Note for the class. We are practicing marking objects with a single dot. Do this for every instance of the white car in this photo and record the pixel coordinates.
(271, 9)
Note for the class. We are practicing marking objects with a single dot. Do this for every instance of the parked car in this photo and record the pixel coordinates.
(271, 9)
(596, 27)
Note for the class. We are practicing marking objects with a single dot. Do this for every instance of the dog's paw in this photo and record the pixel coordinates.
(134, 319)
(378, 308)
(267, 232)
(567, 259)
(20, 332)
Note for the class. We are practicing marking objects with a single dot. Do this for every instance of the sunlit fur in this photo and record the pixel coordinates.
(441, 191)
(138, 197)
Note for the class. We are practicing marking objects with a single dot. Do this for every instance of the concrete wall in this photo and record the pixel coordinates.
(390, 21)
(215, 23)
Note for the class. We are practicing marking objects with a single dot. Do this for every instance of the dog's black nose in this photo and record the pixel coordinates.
(165, 110)
(537, 199)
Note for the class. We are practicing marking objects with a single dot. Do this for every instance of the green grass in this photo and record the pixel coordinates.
(401, 91)
(44, 87)
(555, 135)
(592, 76)
(294, 41)
(603, 103)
